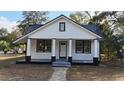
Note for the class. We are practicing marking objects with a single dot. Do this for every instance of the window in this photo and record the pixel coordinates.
(62, 26)
(87, 46)
(79, 46)
(83, 46)
(43, 45)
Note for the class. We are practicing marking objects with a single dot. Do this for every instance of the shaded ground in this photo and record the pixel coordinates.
(22, 72)
(89, 73)
(27, 72)
(39, 72)
(11, 57)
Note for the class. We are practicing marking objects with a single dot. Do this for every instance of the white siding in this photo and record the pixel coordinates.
(38, 55)
(75, 56)
(81, 56)
(72, 31)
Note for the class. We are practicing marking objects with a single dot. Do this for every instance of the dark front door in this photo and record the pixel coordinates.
(62, 49)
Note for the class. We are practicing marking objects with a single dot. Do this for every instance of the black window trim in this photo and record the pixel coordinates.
(83, 47)
(60, 26)
(43, 46)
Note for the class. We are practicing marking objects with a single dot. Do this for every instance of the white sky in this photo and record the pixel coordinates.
(6, 23)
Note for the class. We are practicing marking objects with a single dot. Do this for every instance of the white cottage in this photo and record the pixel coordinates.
(62, 40)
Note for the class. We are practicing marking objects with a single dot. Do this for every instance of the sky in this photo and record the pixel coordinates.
(8, 19)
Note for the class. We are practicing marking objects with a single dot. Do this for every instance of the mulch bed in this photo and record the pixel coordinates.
(26, 72)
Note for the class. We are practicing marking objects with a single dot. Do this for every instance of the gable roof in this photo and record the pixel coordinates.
(32, 28)
(91, 27)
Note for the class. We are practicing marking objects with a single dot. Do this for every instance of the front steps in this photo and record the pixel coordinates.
(61, 63)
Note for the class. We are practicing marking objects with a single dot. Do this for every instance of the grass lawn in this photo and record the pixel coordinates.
(97, 73)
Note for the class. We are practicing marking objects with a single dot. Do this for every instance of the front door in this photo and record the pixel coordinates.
(62, 49)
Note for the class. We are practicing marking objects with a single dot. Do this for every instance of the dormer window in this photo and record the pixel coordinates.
(62, 26)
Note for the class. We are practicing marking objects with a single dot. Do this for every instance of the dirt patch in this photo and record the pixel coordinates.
(97, 73)
(26, 72)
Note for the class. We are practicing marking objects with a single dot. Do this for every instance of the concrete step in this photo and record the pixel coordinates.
(61, 64)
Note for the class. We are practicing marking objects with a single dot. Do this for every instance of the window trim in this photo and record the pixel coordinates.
(60, 30)
(43, 46)
(83, 52)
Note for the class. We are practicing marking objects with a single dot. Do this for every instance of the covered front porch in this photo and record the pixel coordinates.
(60, 50)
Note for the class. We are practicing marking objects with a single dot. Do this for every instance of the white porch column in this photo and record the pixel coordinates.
(70, 48)
(53, 58)
(28, 52)
(96, 52)
(95, 48)
(28, 47)
(53, 47)
(70, 51)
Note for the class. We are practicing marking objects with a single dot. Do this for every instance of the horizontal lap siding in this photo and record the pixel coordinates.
(71, 31)
(81, 56)
(38, 55)
(75, 56)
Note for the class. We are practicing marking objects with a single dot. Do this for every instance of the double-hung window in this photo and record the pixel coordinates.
(43, 45)
(62, 26)
(83, 46)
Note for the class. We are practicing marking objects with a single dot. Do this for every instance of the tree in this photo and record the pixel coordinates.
(112, 25)
(80, 17)
(32, 17)
(35, 17)
(5, 46)
(13, 36)
(3, 32)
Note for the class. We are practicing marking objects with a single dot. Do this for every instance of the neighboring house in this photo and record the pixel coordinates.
(62, 39)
